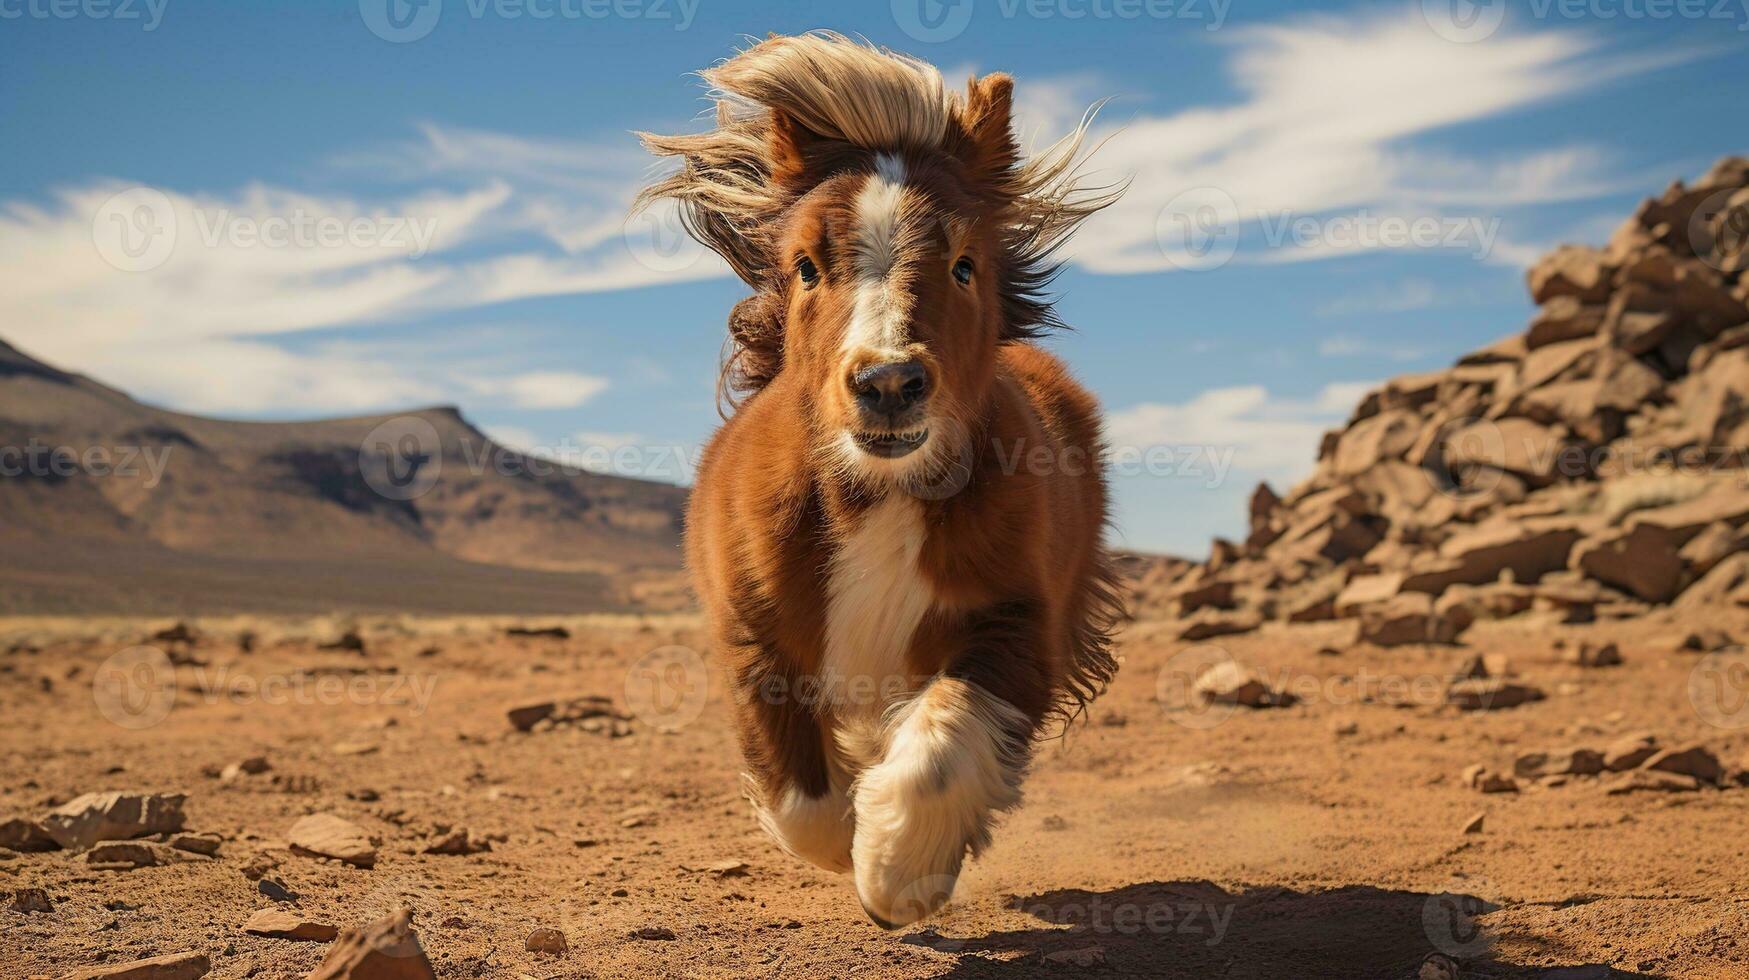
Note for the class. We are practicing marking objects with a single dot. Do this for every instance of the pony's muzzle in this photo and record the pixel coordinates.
(891, 393)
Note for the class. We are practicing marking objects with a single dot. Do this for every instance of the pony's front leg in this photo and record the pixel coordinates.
(955, 755)
(798, 789)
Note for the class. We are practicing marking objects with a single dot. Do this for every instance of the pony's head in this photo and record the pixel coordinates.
(893, 233)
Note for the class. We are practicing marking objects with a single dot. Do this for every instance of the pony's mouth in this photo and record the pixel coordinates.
(890, 445)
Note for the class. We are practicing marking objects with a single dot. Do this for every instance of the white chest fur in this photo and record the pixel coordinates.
(876, 597)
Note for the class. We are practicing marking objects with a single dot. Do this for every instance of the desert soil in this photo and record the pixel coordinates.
(1325, 839)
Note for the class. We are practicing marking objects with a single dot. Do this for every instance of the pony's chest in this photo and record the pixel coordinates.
(876, 597)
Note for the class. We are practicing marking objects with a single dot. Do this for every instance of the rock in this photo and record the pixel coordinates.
(113, 816)
(255, 765)
(326, 835)
(204, 844)
(1515, 445)
(1496, 600)
(1690, 760)
(546, 941)
(1563, 318)
(1482, 779)
(26, 836)
(1643, 560)
(387, 949)
(176, 966)
(726, 868)
(1571, 270)
(1474, 824)
(1570, 762)
(275, 890)
(459, 842)
(1629, 752)
(1229, 682)
(1688, 518)
(1488, 551)
(30, 901)
(285, 924)
(120, 855)
(547, 632)
(525, 718)
(659, 933)
(1717, 585)
(1343, 728)
(1586, 655)
(1366, 590)
(1209, 624)
(1437, 966)
(1490, 694)
(1712, 545)
(1642, 781)
(1406, 618)
(1704, 641)
(1217, 594)
(349, 641)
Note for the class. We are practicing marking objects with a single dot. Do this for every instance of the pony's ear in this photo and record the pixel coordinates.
(988, 139)
(787, 143)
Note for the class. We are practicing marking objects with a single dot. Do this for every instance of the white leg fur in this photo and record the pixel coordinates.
(816, 830)
(951, 765)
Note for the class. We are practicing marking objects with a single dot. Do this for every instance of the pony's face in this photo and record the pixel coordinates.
(893, 315)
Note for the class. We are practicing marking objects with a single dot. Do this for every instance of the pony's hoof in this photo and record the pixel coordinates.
(894, 907)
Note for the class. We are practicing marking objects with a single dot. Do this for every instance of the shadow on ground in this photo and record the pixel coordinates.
(1196, 930)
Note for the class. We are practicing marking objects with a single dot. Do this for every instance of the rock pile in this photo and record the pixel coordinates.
(1593, 465)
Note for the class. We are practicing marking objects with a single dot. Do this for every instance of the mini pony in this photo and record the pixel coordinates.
(897, 533)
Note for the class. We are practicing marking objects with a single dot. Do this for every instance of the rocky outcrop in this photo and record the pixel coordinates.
(1595, 460)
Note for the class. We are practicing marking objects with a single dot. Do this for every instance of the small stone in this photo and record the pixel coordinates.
(459, 842)
(526, 717)
(1482, 779)
(1690, 760)
(1229, 682)
(1490, 694)
(26, 836)
(727, 868)
(1054, 823)
(259, 865)
(1629, 752)
(1641, 780)
(326, 835)
(1474, 824)
(204, 844)
(1586, 655)
(117, 855)
(387, 949)
(1437, 966)
(547, 941)
(176, 966)
(1343, 728)
(114, 816)
(659, 933)
(27, 901)
(1705, 641)
(356, 748)
(284, 924)
(275, 890)
(1569, 762)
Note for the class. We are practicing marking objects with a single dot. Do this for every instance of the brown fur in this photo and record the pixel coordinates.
(1021, 586)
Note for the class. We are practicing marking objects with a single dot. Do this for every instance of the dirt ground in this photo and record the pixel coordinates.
(1325, 839)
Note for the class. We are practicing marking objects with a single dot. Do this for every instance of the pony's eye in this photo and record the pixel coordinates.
(809, 273)
(962, 270)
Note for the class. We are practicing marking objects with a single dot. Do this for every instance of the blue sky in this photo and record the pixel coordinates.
(364, 224)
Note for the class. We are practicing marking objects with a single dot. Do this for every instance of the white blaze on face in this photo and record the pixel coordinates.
(878, 320)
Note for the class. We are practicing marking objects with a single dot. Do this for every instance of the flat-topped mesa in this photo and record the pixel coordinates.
(1570, 466)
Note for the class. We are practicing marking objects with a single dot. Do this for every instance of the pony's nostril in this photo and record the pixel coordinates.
(891, 387)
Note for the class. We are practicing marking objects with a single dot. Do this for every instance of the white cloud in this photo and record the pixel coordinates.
(542, 389)
(1325, 105)
(1266, 435)
(1346, 345)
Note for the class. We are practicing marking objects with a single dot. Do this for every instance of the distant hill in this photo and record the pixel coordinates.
(111, 505)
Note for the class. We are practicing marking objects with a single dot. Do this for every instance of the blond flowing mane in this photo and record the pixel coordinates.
(873, 99)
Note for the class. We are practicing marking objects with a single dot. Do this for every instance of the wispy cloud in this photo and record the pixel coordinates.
(1268, 435)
